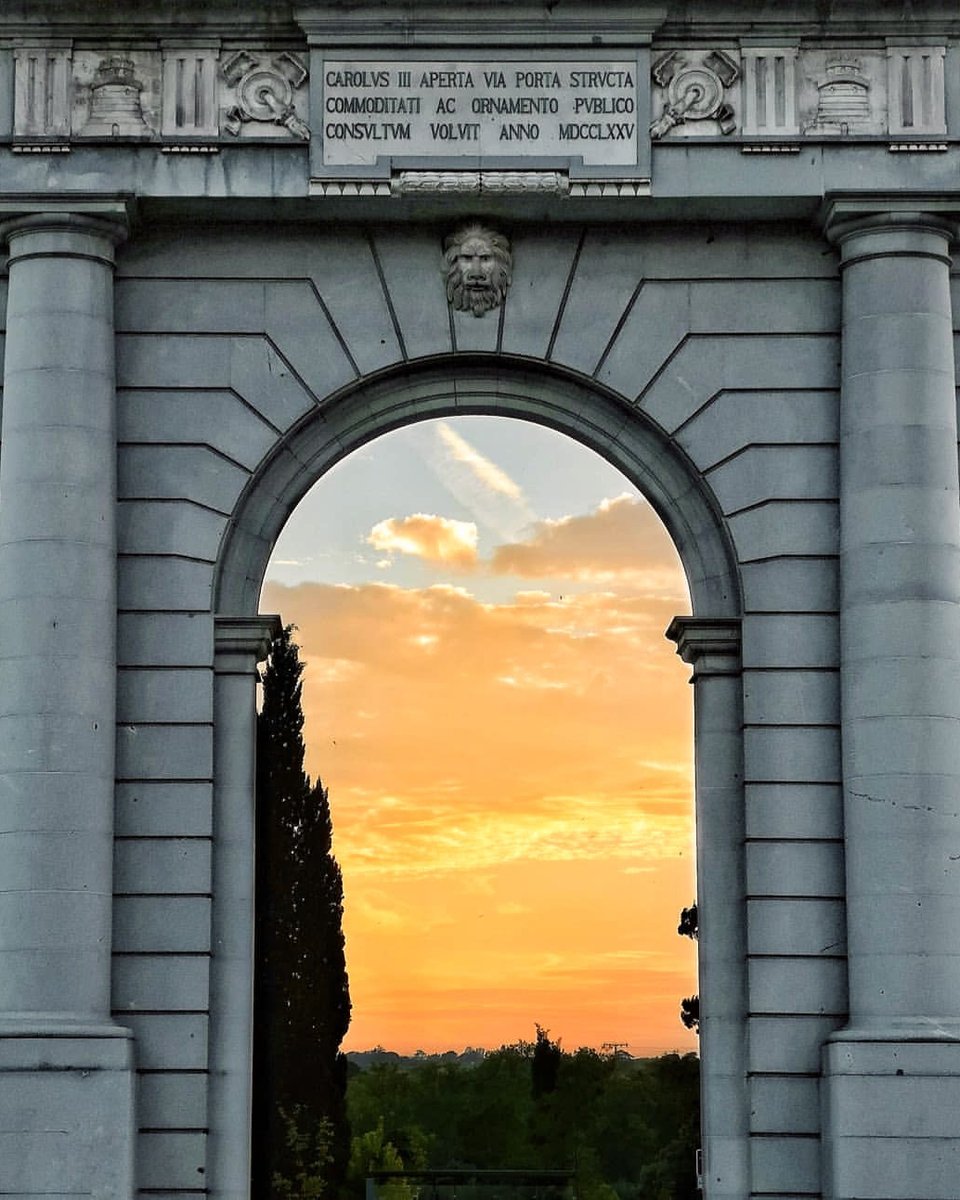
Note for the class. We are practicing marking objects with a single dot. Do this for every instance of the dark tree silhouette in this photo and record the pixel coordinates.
(690, 1005)
(302, 1000)
(544, 1064)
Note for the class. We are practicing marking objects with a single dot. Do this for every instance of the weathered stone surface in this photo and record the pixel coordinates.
(280, 300)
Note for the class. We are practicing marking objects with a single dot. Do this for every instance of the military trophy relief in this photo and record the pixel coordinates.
(268, 95)
(796, 92)
(695, 93)
(179, 93)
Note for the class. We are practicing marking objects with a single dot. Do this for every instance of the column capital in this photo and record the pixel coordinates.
(914, 225)
(710, 644)
(63, 235)
(245, 636)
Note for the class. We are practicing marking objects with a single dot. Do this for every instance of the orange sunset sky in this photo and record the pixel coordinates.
(505, 734)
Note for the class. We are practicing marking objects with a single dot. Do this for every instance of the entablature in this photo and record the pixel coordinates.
(570, 100)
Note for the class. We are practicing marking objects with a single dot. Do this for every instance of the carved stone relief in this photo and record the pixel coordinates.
(190, 91)
(916, 91)
(478, 267)
(116, 94)
(784, 91)
(266, 95)
(842, 93)
(696, 93)
(770, 91)
(41, 107)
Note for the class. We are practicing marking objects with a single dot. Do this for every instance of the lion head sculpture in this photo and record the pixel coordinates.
(478, 266)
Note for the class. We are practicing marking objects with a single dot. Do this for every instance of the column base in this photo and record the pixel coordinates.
(66, 1110)
(889, 1119)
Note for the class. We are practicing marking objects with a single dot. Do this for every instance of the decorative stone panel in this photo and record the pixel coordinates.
(770, 91)
(843, 93)
(42, 91)
(264, 94)
(116, 93)
(190, 102)
(696, 93)
(915, 87)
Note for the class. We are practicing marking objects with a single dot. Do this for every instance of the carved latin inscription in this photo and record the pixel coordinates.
(478, 266)
(526, 109)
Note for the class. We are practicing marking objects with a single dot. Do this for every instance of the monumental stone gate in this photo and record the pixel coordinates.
(710, 240)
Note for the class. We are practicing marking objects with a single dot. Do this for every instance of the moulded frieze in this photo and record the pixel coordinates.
(181, 91)
(794, 91)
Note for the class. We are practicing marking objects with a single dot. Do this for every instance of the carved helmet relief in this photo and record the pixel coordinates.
(478, 266)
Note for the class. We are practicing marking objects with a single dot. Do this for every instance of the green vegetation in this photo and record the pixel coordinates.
(690, 1005)
(627, 1128)
(302, 1002)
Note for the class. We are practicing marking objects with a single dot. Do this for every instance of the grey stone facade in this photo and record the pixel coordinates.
(750, 310)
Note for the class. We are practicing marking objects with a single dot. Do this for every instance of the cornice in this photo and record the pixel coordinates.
(481, 23)
(520, 22)
(843, 214)
(711, 645)
(246, 636)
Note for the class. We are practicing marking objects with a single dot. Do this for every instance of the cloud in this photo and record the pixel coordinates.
(536, 730)
(511, 788)
(487, 472)
(621, 541)
(436, 539)
(486, 491)
(620, 544)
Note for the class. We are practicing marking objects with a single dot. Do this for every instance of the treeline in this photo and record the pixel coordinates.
(627, 1128)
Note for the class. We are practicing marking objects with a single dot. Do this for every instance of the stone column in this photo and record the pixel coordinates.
(241, 642)
(712, 647)
(894, 1071)
(57, 716)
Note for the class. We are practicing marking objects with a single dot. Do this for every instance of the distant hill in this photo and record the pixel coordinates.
(363, 1059)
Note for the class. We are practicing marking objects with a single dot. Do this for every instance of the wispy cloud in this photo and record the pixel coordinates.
(495, 500)
(487, 472)
(510, 781)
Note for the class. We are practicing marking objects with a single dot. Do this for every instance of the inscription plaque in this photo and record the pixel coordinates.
(525, 109)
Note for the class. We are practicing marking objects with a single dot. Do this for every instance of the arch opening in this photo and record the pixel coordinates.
(550, 396)
(602, 422)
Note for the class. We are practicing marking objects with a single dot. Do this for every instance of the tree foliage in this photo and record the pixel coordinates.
(302, 1002)
(690, 1005)
(627, 1128)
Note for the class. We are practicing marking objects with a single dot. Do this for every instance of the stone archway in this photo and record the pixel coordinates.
(709, 640)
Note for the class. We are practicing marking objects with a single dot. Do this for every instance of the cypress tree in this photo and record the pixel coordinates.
(302, 1001)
